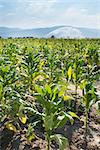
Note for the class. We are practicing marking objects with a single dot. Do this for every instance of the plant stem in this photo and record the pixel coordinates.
(86, 121)
(86, 127)
(48, 141)
(76, 90)
(76, 95)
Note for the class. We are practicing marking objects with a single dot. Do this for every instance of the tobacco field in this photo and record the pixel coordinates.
(49, 94)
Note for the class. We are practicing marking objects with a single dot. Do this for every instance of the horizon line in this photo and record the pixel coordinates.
(30, 28)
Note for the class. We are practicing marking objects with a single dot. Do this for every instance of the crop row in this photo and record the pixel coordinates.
(39, 82)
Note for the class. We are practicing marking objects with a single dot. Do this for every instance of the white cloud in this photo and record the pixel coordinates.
(71, 16)
(81, 17)
(42, 13)
(40, 7)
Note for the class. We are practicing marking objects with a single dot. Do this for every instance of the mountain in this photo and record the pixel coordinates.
(56, 31)
(16, 32)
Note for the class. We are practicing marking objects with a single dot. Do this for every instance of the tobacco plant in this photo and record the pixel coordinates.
(89, 98)
(53, 115)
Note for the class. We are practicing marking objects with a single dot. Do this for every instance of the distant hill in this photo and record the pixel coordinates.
(56, 31)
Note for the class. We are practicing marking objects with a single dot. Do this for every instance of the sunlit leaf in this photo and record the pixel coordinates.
(83, 84)
(38, 89)
(69, 72)
(31, 137)
(73, 115)
(11, 127)
(67, 97)
(48, 88)
(23, 118)
(74, 76)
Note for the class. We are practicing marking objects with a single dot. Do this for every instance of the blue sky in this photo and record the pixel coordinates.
(44, 13)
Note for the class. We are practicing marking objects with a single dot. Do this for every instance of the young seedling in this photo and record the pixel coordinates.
(88, 100)
(53, 115)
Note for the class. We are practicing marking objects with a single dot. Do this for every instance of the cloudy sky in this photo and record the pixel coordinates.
(44, 13)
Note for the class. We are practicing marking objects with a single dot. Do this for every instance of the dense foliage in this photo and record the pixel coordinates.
(37, 79)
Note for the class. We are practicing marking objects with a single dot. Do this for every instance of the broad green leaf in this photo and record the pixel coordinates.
(69, 117)
(61, 121)
(74, 65)
(83, 84)
(74, 76)
(1, 79)
(41, 64)
(55, 90)
(61, 93)
(61, 140)
(5, 69)
(38, 89)
(48, 122)
(48, 88)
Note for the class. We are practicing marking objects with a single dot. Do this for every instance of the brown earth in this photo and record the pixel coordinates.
(75, 134)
